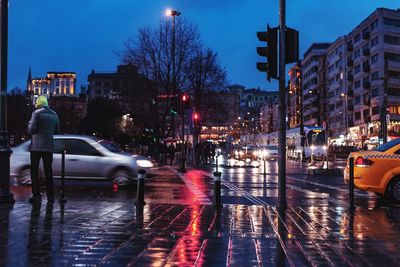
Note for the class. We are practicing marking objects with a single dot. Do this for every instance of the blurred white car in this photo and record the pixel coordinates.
(86, 158)
(268, 152)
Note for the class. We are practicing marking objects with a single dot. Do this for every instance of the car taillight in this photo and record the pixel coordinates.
(362, 162)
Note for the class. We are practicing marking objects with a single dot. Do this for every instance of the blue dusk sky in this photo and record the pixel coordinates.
(81, 35)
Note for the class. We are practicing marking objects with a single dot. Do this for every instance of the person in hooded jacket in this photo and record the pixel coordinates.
(42, 126)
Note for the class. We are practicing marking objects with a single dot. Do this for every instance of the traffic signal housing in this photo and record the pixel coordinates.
(184, 102)
(291, 45)
(270, 51)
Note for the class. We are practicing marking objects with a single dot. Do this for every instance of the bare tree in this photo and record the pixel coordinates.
(196, 68)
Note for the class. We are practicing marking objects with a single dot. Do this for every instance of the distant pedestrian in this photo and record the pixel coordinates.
(42, 126)
(171, 153)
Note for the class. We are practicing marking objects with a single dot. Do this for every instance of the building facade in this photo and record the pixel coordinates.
(368, 44)
(54, 84)
(314, 84)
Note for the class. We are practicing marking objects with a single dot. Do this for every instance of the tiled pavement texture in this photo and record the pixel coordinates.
(101, 226)
(106, 233)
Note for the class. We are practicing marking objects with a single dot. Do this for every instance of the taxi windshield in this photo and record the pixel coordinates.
(388, 145)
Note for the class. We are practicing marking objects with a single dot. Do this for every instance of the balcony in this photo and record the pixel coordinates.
(366, 35)
(365, 52)
(367, 85)
(366, 67)
(350, 63)
(349, 47)
(350, 77)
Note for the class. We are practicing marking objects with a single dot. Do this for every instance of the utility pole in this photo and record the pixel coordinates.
(5, 195)
(282, 108)
(384, 105)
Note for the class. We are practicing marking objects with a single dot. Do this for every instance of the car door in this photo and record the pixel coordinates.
(82, 160)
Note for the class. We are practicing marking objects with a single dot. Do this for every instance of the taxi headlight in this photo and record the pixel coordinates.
(144, 163)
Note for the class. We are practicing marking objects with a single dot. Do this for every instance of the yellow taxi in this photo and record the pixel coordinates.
(378, 170)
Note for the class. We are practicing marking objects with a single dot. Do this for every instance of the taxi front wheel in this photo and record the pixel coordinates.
(394, 190)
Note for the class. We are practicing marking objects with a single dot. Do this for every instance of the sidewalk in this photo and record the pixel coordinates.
(100, 225)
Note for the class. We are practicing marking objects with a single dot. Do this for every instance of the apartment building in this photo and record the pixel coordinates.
(367, 45)
(314, 84)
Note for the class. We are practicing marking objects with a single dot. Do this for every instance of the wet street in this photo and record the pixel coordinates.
(100, 225)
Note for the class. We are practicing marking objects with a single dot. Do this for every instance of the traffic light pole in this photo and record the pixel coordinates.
(182, 167)
(282, 109)
(5, 151)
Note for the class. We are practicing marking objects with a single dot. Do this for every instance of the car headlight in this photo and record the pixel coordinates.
(312, 147)
(324, 147)
(144, 163)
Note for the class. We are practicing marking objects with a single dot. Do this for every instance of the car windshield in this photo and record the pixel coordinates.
(271, 147)
(316, 137)
(113, 147)
(388, 145)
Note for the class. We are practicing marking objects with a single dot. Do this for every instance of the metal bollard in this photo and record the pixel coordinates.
(351, 182)
(217, 190)
(62, 197)
(140, 188)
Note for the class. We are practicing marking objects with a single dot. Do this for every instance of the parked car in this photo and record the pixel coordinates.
(86, 158)
(377, 170)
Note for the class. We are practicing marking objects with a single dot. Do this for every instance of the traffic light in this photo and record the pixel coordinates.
(270, 52)
(184, 102)
(291, 46)
(196, 117)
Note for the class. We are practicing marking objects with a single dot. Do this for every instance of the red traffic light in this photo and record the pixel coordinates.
(196, 116)
(185, 97)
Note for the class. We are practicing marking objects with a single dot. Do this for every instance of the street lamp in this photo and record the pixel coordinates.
(345, 116)
(5, 195)
(173, 14)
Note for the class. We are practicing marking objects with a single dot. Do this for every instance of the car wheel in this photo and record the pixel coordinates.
(121, 177)
(394, 190)
(24, 177)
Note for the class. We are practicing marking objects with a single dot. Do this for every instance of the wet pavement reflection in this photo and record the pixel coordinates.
(100, 224)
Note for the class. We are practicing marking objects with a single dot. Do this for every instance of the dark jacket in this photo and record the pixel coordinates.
(42, 126)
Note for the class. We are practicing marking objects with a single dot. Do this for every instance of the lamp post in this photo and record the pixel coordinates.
(345, 116)
(173, 14)
(5, 151)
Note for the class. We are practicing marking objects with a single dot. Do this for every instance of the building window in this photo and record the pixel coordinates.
(394, 74)
(106, 84)
(375, 110)
(389, 39)
(394, 110)
(394, 91)
(374, 58)
(67, 82)
(97, 83)
(97, 91)
(57, 83)
(357, 53)
(393, 57)
(391, 22)
(357, 69)
(374, 25)
(357, 38)
(375, 92)
(374, 41)
(357, 84)
(375, 76)
(365, 79)
(357, 116)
